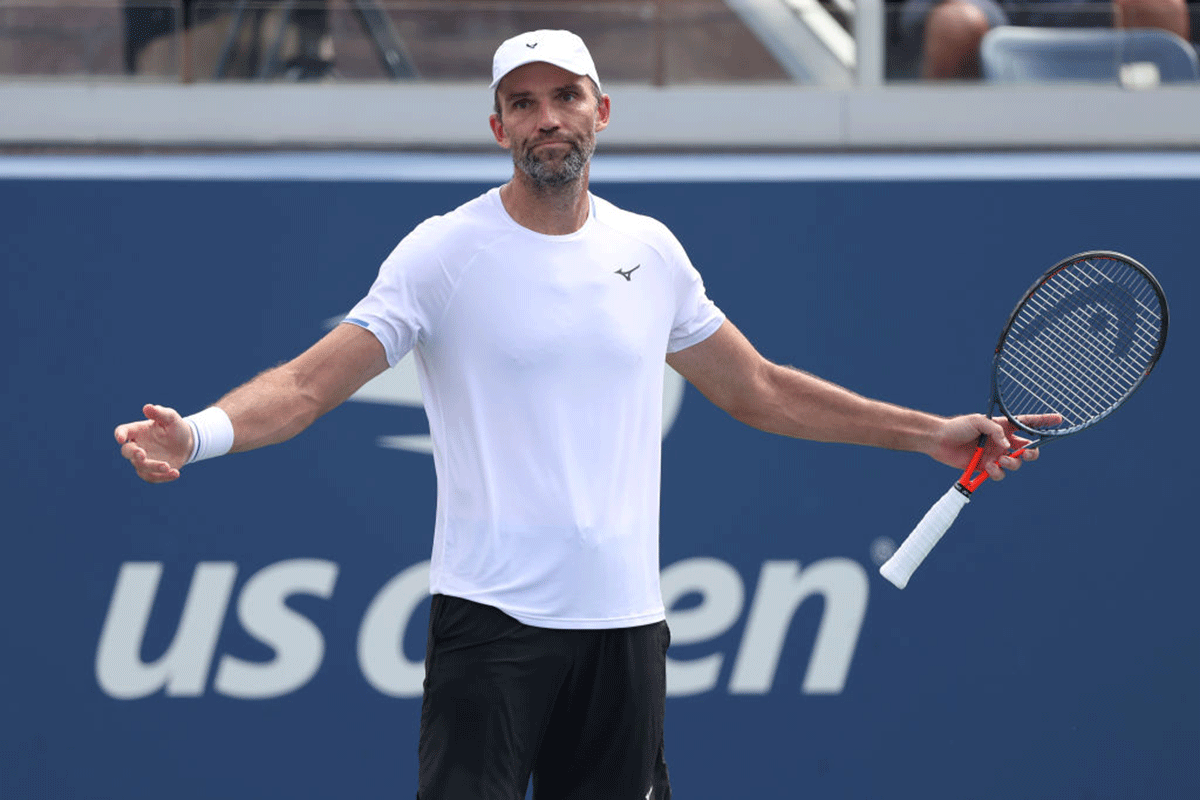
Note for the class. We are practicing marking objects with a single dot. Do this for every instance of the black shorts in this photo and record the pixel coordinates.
(579, 711)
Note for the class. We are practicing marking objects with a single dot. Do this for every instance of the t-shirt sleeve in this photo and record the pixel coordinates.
(407, 298)
(696, 316)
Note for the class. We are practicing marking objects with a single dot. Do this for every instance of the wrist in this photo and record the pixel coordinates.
(212, 434)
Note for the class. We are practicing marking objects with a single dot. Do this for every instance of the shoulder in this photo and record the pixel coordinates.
(473, 219)
(645, 229)
(453, 236)
(629, 221)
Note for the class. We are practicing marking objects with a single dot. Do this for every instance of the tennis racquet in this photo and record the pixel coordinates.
(1080, 342)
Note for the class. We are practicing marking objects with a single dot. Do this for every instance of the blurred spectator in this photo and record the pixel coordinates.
(242, 44)
(149, 20)
(940, 38)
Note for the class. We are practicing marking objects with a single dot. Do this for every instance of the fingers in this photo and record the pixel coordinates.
(135, 437)
(162, 473)
(1025, 452)
(996, 470)
(1014, 450)
(130, 431)
(161, 415)
(148, 469)
(1012, 461)
(155, 415)
(1041, 420)
(994, 430)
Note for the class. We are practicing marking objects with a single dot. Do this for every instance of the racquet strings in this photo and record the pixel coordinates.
(1081, 343)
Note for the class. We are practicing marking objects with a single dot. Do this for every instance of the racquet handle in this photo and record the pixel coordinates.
(937, 520)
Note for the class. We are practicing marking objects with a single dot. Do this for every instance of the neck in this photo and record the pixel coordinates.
(552, 210)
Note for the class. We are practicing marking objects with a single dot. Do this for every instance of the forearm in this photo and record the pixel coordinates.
(732, 374)
(282, 402)
(787, 401)
(798, 404)
(269, 409)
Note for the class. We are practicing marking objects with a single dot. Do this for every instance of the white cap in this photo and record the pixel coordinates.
(560, 48)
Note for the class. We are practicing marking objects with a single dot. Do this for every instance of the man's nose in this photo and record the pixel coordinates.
(548, 118)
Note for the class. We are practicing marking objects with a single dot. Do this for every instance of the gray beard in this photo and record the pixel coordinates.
(546, 176)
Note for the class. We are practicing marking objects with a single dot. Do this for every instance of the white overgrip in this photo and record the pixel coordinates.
(937, 520)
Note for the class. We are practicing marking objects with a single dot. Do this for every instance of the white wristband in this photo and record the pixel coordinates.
(212, 434)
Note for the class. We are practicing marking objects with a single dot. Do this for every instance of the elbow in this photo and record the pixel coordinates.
(303, 406)
(756, 401)
(764, 417)
(308, 409)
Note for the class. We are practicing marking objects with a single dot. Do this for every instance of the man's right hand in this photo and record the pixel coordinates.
(156, 446)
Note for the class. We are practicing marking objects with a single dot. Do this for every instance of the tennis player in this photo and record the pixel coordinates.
(540, 316)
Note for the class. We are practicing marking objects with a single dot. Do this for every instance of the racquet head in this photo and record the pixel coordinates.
(1080, 342)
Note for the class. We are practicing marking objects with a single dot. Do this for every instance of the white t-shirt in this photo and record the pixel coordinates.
(540, 360)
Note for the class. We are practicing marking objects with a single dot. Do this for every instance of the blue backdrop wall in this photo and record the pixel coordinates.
(256, 629)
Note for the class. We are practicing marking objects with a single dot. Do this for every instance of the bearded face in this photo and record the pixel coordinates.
(553, 161)
(548, 119)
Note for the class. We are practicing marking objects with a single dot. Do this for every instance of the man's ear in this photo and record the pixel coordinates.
(603, 110)
(498, 131)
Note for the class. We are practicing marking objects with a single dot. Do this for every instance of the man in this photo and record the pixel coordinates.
(540, 316)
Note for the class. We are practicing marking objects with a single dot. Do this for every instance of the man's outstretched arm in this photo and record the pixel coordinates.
(730, 372)
(272, 407)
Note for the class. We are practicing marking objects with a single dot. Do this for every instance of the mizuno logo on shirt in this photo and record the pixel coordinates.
(627, 274)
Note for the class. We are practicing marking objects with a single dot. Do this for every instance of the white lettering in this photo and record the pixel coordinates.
(782, 587)
(381, 637)
(183, 668)
(722, 595)
(297, 642)
(299, 647)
